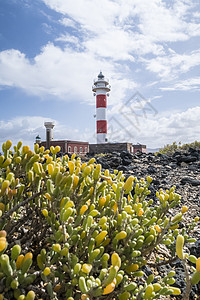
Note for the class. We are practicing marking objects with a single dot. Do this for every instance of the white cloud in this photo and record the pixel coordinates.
(65, 74)
(184, 85)
(156, 20)
(26, 128)
(95, 16)
(13, 65)
(67, 38)
(169, 66)
(159, 22)
(118, 44)
(22, 128)
(68, 22)
(196, 15)
(121, 30)
(156, 130)
(47, 28)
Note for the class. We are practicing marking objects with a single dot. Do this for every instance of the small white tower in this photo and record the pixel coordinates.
(101, 89)
(49, 133)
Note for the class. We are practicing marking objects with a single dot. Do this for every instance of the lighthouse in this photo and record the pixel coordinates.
(101, 89)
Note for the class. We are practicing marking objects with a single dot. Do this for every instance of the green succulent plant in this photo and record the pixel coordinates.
(96, 230)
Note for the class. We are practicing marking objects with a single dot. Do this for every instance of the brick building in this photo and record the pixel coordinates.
(69, 146)
(66, 146)
(139, 148)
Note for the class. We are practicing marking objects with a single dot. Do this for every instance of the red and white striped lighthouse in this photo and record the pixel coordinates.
(101, 89)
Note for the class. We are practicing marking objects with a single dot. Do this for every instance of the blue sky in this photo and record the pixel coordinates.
(51, 50)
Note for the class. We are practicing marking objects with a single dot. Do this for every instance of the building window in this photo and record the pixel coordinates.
(69, 149)
(86, 149)
(81, 150)
(75, 149)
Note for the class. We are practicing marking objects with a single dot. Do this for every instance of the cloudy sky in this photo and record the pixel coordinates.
(51, 51)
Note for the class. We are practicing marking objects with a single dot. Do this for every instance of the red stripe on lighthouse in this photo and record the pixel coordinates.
(102, 126)
(101, 101)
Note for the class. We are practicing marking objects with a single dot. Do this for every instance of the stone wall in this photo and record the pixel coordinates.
(110, 147)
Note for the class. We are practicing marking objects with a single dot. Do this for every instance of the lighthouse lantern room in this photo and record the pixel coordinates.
(101, 89)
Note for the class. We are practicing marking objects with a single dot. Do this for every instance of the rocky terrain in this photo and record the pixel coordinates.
(181, 169)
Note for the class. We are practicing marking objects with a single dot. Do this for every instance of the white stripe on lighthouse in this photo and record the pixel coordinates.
(101, 113)
(101, 137)
(101, 92)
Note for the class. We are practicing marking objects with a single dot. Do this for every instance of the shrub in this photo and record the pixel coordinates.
(169, 149)
(72, 231)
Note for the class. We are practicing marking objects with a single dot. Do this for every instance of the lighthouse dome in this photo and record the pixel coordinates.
(100, 76)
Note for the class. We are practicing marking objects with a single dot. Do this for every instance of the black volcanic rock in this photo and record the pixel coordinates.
(122, 168)
(151, 170)
(186, 158)
(163, 156)
(191, 181)
(126, 161)
(115, 161)
(126, 155)
(104, 163)
(195, 248)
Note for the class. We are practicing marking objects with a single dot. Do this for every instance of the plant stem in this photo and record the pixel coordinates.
(8, 213)
(186, 294)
